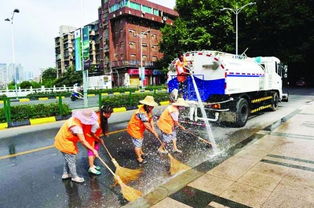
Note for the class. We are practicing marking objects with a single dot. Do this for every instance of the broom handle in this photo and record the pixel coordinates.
(107, 150)
(107, 166)
(200, 138)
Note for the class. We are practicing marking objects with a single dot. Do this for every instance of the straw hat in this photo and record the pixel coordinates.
(149, 100)
(181, 102)
(87, 117)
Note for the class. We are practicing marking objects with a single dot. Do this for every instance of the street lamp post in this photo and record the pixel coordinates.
(13, 48)
(141, 35)
(236, 11)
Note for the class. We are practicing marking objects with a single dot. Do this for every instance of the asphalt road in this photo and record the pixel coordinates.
(33, 179)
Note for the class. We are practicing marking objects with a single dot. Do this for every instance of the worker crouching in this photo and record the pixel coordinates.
(69, 135)
(167, 123)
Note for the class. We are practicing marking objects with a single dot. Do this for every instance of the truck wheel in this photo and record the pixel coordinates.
(274, 102)
(242, 112)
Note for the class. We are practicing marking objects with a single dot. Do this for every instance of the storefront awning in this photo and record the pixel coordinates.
(148, 72)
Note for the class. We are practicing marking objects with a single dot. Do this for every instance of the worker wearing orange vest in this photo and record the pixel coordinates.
(141, 120)
(167, 122)
(69, 135)
(94, 139)
(182, 73)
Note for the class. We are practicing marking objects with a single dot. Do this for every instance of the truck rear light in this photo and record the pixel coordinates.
(216, 106)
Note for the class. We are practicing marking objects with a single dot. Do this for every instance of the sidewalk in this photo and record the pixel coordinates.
(276, 169)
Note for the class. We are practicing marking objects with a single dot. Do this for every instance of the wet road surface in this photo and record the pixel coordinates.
(34, 178)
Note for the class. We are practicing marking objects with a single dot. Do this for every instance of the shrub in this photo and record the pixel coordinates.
(132, 100)
(23, 112)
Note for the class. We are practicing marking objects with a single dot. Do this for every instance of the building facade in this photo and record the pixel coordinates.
(130, 34)
(65, 49)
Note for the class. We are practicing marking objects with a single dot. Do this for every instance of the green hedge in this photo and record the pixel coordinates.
(23, 112)
(109, 91)
(132, 100)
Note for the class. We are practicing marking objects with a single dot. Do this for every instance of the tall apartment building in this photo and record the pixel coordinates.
(120, 24)
(65, 49)
(3, 74)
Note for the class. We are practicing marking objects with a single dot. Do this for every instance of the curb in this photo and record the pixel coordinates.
(50, 119)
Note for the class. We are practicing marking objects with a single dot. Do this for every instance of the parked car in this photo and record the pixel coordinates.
(300, 82)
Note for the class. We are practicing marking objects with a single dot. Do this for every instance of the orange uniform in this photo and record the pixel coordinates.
(136, 127)
(165, 122)
(65, 140)
(180, 68)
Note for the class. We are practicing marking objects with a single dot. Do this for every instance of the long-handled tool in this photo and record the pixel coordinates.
(198, 137)
(126, 175)
(175, 165)
(128, 192)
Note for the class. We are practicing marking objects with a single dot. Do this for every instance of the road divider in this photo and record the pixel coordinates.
(3, 125)
(164, 103)
(36, 121)
(118, 110)
(43, 98)
(22, 100)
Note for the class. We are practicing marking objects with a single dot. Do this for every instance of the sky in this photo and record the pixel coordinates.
(37, 24)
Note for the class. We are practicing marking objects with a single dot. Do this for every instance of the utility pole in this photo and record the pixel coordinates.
(237, 11)
(11, 20)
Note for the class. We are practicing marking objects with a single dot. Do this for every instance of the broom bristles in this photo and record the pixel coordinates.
(128, 192)
(176, 166)
(127, 175)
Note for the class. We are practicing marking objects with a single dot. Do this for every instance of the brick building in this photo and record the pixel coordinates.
(122, 25)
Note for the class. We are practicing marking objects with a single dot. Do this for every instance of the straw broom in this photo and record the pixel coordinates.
(128, 192)
(175, 165)
(126, 175)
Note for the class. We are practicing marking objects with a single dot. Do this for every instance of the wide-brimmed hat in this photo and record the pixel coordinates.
(181, 102)
(149, 100)
(87, 117)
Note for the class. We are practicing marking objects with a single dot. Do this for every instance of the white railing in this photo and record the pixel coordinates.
(24, 92)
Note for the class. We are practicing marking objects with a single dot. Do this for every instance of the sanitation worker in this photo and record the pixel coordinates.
(141, 120)
(167, 123)
(96, 137)
(69, 135)
(182, 73)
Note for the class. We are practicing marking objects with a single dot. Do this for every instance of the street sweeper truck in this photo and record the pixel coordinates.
(231, 87)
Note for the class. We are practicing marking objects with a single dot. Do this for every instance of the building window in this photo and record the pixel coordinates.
(133, 56)
(144, 57)
(156, 12)
(154, 36)
(134, 5)
(147, 9)
(132, 45)
(154, 58)
(155, 47)
(144, 45)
